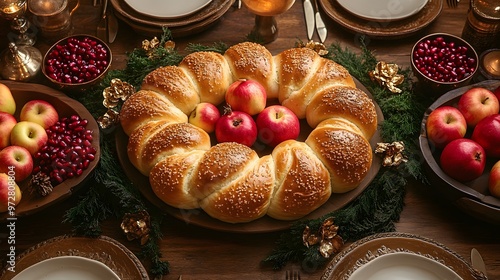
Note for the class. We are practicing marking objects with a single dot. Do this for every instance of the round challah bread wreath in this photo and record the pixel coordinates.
(229, 181)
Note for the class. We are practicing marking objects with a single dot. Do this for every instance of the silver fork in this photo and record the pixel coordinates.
(292, 275)
(452, 3)
(96, 2)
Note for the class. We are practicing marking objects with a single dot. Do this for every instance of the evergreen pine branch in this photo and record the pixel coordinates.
(218, 47)
(380, 205)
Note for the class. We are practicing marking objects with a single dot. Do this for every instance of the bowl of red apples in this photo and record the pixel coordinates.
(443, 62)
(77, 62)
(460, 144)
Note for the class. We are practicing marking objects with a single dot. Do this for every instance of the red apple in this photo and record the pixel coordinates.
(487, 134)
(496, 92)
(10, 193)
(205, 116)
(7, 122)
(40, 112)
(463, 160)
(17, 160)
(445, 124)
(476, 104)
(7, 102)
(236, 127)
(247, 96)
(494, 180)
(29, 135)
(276, 124)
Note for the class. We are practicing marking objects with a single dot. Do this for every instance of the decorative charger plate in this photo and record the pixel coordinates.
(383, 10)
(383, 30)
(265, 224)
(31, 202)
(67, 267)
(185, 26)
(167, 9)
(109, 252)
(388, 254)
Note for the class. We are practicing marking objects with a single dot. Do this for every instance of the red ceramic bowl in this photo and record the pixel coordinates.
(472, 197)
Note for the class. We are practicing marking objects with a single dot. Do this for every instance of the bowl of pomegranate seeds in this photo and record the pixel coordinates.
(443, 62)
(77, 62)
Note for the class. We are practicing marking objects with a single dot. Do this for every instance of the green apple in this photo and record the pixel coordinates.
(10, 193)
(29, 135)
(7, 102)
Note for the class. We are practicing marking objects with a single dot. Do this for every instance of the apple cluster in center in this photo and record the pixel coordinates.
(467, 135)
(244, 118)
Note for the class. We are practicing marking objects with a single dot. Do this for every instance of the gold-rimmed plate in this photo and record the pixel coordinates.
(418, 256)
(167, 9)
(383, 30)
(181, 27)
(105, 250)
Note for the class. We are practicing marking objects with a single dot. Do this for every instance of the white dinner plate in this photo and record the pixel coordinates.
(67, 268)
(383, 10)
(167, 8)
(401, 265)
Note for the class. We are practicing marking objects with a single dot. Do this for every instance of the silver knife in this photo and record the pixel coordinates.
(103, 23)
(477, 261)
(309, 14)
(112, 25)
(320, 25)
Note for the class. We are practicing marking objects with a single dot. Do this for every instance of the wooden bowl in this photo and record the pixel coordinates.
(31, 202)
(472, 197)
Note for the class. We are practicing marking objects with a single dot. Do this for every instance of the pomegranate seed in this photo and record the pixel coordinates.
(69, 150)
(443, 61)
(65, 60)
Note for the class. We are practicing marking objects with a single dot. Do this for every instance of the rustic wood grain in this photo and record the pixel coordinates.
(197, 253)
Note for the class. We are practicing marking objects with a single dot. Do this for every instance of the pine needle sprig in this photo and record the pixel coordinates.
(218, 47)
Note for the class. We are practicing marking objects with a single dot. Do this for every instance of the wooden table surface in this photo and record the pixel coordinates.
(197, 253)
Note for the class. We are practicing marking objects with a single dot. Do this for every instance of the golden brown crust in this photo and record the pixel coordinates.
(164, 140)
(349, 103)
(145, 106)
(229, 181)
(221, 165)
(329, 74)
(136, 143)
(302, 181)
(253, 62)
(295, 67)
(174, 84)
(246, 198)
(210, 74)
(346, 154)
(170, 179)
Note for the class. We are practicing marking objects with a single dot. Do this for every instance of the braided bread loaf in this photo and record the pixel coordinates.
(230, 181)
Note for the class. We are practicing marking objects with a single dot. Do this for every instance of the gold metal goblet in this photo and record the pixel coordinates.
(266, 27)
(14, 11)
